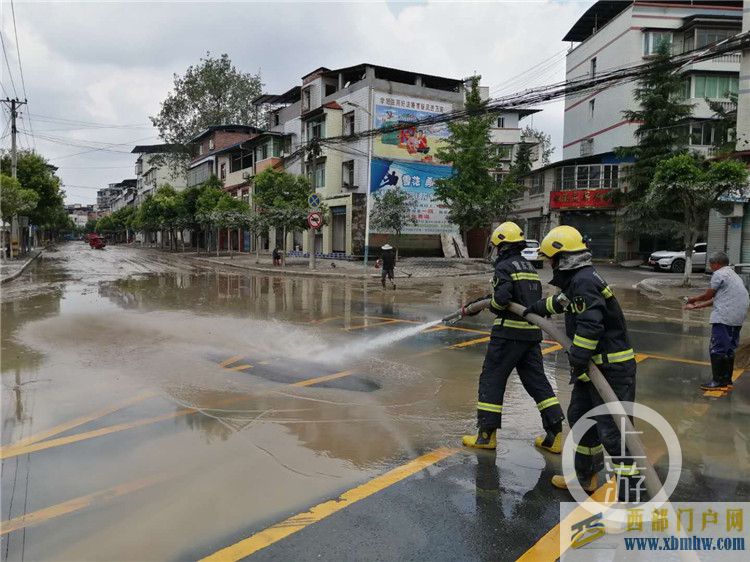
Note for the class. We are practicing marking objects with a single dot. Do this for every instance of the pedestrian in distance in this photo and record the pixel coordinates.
(276, 255)
(388, 262)
(514, 344)
(596, 324)
(729, 298)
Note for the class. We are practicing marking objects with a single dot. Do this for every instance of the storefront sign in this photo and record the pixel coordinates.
(581, 199)
(417, 143)
(418, 180)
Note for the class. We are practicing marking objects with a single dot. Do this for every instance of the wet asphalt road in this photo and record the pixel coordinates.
(155, 410)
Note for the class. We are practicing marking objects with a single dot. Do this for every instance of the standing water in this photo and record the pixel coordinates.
(364, 346)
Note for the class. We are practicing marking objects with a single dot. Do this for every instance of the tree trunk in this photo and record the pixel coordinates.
(257, 248)
(283, 250)
(229, 243)
(218, 241)
(690, 238)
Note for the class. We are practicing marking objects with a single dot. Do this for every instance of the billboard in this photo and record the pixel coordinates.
(581, 199)
(417, 179)
(418, 144)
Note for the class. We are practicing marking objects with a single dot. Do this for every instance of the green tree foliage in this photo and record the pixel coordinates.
(90, 225)
(471, 193)
(211, 92)
(14, 199)
(392, 211)
(660, 132)
(725, 128)
(685, 189)
(35, 173)
(544, 141)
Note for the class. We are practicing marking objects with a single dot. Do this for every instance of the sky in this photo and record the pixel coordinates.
(95, 71)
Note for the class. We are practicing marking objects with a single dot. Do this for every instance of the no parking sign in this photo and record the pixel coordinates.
(315, 220)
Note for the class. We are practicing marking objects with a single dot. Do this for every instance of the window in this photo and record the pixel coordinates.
(347, 174)
(306, 100)
(200, 149)
(592, 106)
(211, 144)
(537, 184)
(715, 86)
(593, 176)
(499, 176)
(223, 171)
(504, 151)
(707, 37)
(708, 134)
(241, 160)
(348, 123)
(330, 89)
(264, 151)
(688, 41)
(276, 119)
(319, 179)
(593, 67)
(501, 122)
(686, 88)
(316, 129)
(652, 40)
(277, 146)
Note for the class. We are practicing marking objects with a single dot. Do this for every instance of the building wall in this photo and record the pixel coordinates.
(743, 103)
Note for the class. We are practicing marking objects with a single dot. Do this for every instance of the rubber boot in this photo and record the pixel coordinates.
(484, 439)
(588, 484)
(718, 380)
(552, 441)
(730, 371)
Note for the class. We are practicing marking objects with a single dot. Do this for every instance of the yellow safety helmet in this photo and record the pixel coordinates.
(507, 232)
(562, 239)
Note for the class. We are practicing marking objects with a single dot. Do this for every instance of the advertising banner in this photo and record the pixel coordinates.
(581, 199)
(417, 179)
(418, 144)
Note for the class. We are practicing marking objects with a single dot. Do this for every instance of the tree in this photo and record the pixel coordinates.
(15, 200)
(471, 193)
(685, 189)
(543, 140)
(205, 205)
(90, 226)
(229, 213)
(392, 211)
(725, 129)
(661, 131)
(212, 92)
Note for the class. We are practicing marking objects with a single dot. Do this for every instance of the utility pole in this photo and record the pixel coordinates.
(14, 104)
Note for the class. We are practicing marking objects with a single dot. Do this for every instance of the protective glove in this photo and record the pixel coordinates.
(539, 308)
(578, 372)
(468, 304)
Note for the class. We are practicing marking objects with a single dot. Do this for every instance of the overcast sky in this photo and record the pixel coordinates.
(95, 71)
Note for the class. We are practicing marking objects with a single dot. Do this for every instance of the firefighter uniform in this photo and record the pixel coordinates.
(596, 324)
(514, 343)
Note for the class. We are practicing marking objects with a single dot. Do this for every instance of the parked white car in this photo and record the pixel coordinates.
(531, 253)
(675, 261)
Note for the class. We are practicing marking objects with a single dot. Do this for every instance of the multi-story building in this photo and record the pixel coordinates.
(112, 197)
(153, 169)
(578, 190)
(80, 214)
(331, 108)
(207, 145)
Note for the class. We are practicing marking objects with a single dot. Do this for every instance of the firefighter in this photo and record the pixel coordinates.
(514, 344)
(595, 323)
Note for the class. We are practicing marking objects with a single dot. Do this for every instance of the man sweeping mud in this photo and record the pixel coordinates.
(514, 344)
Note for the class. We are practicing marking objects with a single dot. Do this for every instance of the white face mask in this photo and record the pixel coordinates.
(567, 262)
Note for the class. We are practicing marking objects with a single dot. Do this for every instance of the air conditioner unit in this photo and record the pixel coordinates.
(737, 210)
(587, 147)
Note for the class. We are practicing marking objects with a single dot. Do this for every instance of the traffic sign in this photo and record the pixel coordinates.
(315, 220)
(314, 200)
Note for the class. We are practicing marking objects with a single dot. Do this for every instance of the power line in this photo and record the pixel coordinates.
(20, 67)
(7, 65)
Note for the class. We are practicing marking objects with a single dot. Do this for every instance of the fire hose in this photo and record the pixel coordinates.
(617, 411)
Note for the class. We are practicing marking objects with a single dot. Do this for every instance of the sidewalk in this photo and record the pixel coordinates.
(10, 269)
(406, 268)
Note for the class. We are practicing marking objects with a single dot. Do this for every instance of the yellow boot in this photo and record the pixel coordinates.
(558, 481)
(484, 439)
(551, 442)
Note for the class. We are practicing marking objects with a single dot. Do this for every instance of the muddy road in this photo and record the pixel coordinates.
(153, 409)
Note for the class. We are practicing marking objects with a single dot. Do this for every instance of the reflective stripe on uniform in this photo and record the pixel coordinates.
(487, 407)
(524, 276)
(585, 343)
(550, 305)
(623, 469)
(607, 292)
(496, 306)
(547, 403)
(584, 377)
(616, 357)
(589, 450)
(521, 325)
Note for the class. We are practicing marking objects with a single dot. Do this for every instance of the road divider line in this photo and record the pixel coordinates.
(75, 422)
(469, 342)
(324, 378)
(232, 359)
(77, 504)
(283, 529)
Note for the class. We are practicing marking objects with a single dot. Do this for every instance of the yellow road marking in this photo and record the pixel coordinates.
(373, 324)
(548, 547)
(76, 422)
(76, 504)
(324, 378)
(238, 367)
(232, 359)
(283, 529)
(675, 359)
(468, 343)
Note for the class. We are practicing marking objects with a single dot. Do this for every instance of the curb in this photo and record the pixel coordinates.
(11, 277)
(648, 288)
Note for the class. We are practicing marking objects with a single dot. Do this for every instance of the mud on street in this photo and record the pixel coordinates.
(155, 409)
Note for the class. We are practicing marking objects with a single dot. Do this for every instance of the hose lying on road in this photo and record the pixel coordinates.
(616, 409)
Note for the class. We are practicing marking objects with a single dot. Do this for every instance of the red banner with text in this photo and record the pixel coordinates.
(581, 199)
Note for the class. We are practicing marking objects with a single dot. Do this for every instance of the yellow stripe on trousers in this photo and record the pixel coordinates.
(283, 529)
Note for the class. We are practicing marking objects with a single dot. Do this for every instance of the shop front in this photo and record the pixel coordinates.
(592, 212)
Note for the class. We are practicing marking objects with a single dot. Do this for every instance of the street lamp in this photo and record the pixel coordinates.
(369, 178)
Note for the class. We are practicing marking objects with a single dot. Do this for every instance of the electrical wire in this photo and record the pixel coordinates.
(20, 68)
(7, 65)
